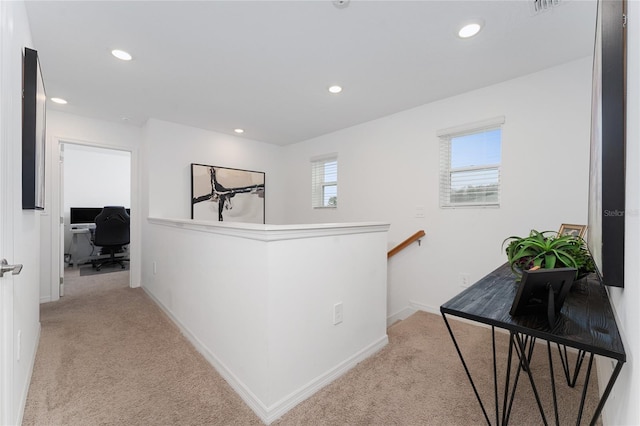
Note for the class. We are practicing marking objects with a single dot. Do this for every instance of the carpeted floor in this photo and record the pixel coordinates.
(109, 356)
(105, 269)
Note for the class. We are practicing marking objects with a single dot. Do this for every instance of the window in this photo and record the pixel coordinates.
(470, 158)
(324, 181)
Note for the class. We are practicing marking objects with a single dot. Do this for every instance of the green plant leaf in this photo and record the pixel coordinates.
(548, 249)
(549, 261)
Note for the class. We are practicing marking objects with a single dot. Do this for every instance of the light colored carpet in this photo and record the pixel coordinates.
(109, 356)
(105, 269)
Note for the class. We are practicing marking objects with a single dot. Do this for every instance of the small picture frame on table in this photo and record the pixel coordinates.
(574, 230)
(543, 291)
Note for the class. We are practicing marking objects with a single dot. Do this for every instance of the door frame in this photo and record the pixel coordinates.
(57, 231)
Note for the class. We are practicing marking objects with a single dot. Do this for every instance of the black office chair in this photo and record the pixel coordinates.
(111, 234)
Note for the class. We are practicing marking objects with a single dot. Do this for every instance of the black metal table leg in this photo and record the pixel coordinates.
(584, 390)
(553, 385)
(507, 403)
(525, 362)
(564, 358)
(466, 369)
(495, 374)
(506, 414)
(606, 392)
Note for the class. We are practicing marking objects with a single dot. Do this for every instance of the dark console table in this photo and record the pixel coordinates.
(586, 323)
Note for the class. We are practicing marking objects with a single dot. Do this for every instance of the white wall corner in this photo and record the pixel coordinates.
(281, 407)
(410, 310)
(400, 315)
(256, 405)
(422, 307)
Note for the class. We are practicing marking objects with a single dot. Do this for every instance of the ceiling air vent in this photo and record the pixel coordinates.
(538, 6)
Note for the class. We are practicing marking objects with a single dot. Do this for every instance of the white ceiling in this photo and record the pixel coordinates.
(265, 66)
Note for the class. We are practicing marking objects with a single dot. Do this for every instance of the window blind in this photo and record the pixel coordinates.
(470, 160)
(324, 182)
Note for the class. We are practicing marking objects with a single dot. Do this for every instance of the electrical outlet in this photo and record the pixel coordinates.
(337, 313)
(465, 279)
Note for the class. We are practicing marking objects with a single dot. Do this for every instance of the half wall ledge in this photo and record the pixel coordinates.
(260, 232)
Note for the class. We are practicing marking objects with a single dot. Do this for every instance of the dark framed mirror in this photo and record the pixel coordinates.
(607, 171)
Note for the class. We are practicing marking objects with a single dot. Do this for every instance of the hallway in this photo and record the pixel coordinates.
(109, 356)
(129, 363)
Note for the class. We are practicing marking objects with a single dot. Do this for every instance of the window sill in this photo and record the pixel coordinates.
(471, 206)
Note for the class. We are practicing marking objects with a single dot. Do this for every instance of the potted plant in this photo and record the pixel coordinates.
(548, 250)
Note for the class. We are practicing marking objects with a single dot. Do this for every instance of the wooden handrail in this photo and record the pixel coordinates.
(415, 237)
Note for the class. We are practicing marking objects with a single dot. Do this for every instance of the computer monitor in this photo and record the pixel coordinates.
(85, 215)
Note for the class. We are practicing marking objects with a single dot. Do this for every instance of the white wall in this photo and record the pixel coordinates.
(262, 313)
(94, 177)
(388, 168)
(171, 148)
(21, 228)
(622, 407)
(68, 128)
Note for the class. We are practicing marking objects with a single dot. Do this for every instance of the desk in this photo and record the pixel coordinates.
(73, 251)
(586, 323)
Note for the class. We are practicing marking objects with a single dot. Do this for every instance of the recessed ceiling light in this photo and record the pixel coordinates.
(469, 30)
(121, 54)
(335, 89)
(59, 101)
(238, 131)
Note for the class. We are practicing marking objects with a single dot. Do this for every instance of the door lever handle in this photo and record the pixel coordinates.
(5, 267)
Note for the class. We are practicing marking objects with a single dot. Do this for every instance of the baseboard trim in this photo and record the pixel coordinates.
(422, 307)
(410, 310)
(25, 390)
(401, 315)
(268, 414)
(281, 407)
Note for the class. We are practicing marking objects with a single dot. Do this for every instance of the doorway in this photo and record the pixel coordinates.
(92, 177)
(89, 163)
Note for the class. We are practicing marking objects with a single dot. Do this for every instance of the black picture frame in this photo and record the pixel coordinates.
(33, 132)
(543, 291)
(227, 195)
(607, 167)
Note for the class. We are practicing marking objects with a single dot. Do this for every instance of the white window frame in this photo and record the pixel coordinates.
(319, 182)
(446, 171)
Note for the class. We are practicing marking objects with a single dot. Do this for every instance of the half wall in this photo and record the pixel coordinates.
(258, 300)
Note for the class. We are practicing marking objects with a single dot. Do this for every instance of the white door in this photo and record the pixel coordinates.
(6, 307)
(8, 351)
(6, 287)
(7, 205)
(6, 282)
